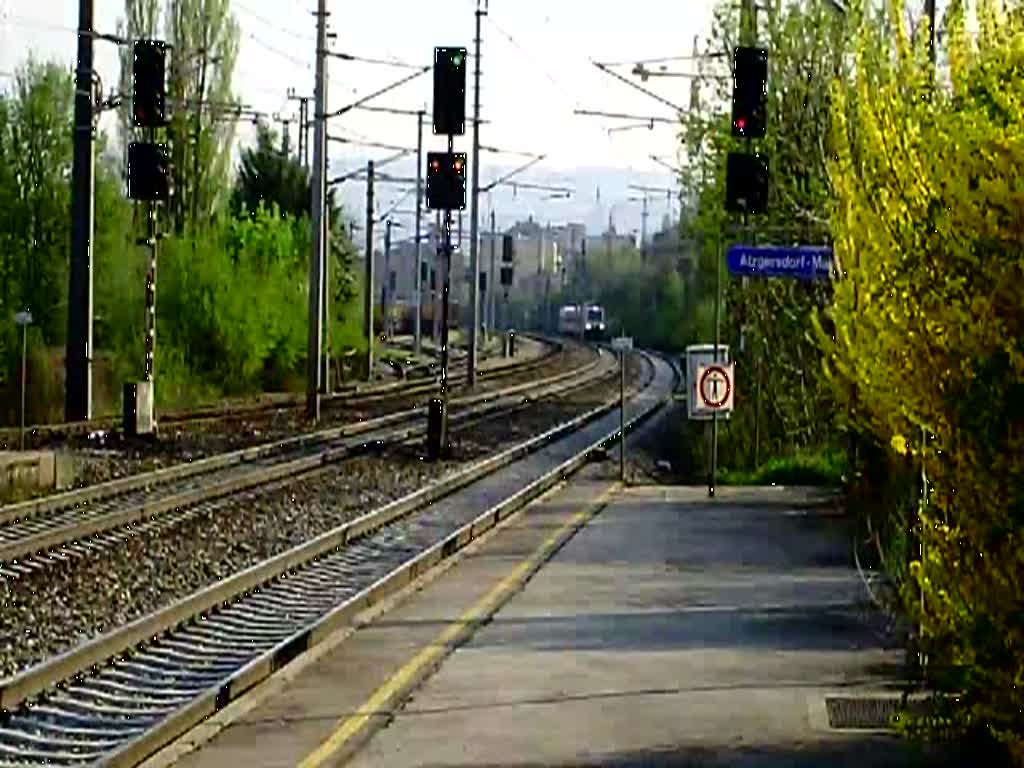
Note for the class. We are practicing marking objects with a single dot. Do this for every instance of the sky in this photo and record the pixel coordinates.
(536, 70)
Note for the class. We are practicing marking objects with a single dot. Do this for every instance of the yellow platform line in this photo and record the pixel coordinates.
(399, 685)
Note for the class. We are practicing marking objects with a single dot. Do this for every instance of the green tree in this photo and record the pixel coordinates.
(142, 21)
(204, 38)
(923, 339)
(35, 165)
(765, 322)
(267, 175)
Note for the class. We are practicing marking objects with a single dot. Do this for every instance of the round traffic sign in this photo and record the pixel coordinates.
(715, 374)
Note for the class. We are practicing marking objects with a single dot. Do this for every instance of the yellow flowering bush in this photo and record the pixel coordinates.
(926, 333)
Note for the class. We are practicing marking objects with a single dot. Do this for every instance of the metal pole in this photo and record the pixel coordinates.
(302, 131)
(325, 299)
(929, 7)
(418, 327)
(435, 328)
(151, 241)
(385, 298)
(315, 339)
(24, 363)
(474, 249)
(493, 278)
(325, 249)
(444, 309)
(714, 414)
(757, 416)
(622, 415)
(305, 130)
(368, 299)
(197, 132)
(643, 231)
(78, 352)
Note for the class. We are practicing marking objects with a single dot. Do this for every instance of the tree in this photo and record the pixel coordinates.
(925, 347)
(267, 175)
(204, 39)
(808, 45)
(142, 21)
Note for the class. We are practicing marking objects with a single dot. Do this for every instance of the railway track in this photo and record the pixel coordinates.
(117, 699)
(347, 397)
(35, 534)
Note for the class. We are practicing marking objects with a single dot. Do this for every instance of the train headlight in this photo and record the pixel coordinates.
(589, 326)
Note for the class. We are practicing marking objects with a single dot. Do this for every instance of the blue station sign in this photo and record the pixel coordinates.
(804, 262)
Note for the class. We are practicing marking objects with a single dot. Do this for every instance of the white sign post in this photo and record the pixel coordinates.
(622, 343)
(710, 385)
(715, 388)
(698, 356)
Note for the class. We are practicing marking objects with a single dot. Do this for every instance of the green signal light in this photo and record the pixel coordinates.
(457, 61)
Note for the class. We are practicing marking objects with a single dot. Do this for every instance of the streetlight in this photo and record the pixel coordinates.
(23, 319)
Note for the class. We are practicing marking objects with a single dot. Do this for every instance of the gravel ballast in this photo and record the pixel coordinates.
(52, 609)
(105, 455)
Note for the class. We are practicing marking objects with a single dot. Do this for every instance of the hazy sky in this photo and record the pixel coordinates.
(536, 66)
(536, 63)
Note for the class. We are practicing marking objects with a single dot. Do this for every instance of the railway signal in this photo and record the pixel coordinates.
(446, 181)
(749, 92)
(746, 183)
(746, 178)
(149, 87)
(446, 191)
(507, 261)
(449, 91)
(149, 181)
(148, 171)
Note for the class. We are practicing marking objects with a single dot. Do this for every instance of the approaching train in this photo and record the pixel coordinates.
(583, 320)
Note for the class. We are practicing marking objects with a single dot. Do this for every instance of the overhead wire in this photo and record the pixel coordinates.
(305, 37)
(279, 52)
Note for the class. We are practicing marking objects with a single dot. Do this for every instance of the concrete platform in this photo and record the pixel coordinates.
(669, 631)
(22, 472)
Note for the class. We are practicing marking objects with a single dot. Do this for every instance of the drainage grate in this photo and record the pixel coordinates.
(872, 712)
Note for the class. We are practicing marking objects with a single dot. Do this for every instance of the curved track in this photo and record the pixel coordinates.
(213, 646)
(420, 380)
(64, 522)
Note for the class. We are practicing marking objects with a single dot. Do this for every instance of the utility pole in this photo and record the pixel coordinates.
(643, 231)
(78, 351)
(325, 248)
(303, 126)
(474, 246)
(386, 282)
(305, 132)
(929, 7)
(417, 327)
(368, 293)
(285, 135)
(319, 188)
(492, 280)
(197, 131)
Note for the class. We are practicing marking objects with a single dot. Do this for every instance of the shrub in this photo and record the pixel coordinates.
(929, 338)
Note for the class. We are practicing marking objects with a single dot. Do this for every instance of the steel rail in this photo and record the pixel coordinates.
(117, 713)
(39, 533)
(271, 403)
(84, 495)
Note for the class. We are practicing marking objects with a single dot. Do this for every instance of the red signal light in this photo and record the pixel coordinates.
(741, 123)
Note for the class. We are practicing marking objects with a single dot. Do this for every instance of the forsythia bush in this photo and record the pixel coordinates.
(926, 334)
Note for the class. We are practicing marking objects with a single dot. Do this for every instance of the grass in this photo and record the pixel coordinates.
(819, 469)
